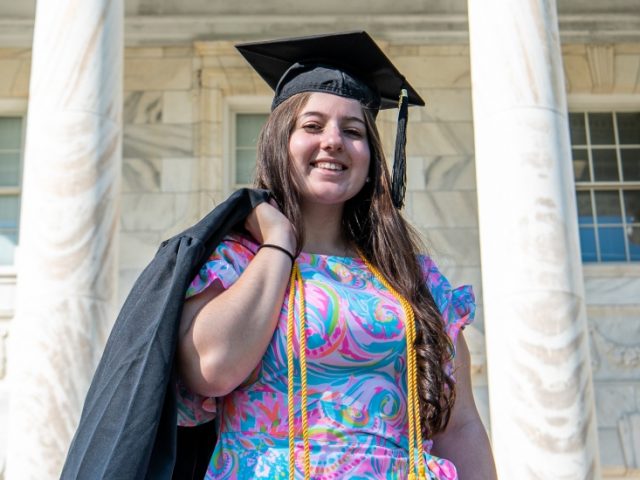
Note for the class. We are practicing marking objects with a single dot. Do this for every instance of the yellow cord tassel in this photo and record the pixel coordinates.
(296, 277)
(413, 405)
(413, 402)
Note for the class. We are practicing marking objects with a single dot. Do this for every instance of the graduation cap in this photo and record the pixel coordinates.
(346, 64)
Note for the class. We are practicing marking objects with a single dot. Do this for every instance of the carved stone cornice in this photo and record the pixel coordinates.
(402, 28)
(601, 65)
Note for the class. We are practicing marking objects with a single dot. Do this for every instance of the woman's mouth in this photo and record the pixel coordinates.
(329, 166)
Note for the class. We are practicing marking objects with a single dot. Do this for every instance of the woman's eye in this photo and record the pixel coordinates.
(354, 132)
(311, 127)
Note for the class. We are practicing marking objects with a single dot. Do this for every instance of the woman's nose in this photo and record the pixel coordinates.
(332, 138)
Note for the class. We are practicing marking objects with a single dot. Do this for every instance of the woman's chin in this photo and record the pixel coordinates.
(326, 198)
(329, 195)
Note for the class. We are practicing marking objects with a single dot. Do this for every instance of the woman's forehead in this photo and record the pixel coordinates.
(330, 104)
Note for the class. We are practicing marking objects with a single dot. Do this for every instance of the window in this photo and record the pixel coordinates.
(10, 180)
(606, 165)
(247, 130)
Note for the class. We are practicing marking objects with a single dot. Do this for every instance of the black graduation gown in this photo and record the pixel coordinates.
(128, 425)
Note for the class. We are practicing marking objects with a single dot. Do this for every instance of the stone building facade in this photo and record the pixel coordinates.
(185, 93)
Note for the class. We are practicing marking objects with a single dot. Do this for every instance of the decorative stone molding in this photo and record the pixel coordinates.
(626, 357)
(629, 431)
(601, 66)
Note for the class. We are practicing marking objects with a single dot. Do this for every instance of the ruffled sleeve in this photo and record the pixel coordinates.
(457, 305)
(225, 265)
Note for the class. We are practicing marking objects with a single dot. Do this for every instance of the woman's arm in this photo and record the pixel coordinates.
(224, 333)
(465, 440)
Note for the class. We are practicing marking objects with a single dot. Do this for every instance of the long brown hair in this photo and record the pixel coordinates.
(376, 228)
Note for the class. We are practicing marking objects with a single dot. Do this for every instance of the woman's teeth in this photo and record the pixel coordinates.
(329, 166)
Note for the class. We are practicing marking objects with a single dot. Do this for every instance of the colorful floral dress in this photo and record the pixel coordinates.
(356, 376)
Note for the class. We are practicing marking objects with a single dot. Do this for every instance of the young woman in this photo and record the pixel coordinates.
(295, 332)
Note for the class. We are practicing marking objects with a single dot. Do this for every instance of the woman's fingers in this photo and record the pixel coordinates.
(268, 225)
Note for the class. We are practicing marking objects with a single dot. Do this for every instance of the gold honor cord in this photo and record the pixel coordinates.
(296, 277)
(413, 404)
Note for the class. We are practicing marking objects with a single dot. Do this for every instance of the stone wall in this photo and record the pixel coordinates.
(160, 182)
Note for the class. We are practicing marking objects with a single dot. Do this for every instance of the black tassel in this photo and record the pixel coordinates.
(399, 183)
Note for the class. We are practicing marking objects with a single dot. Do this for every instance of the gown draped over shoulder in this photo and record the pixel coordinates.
(356, 374)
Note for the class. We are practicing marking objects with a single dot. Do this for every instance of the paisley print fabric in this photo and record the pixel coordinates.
(356, 376)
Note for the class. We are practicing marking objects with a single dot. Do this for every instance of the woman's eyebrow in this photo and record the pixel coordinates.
(323, 115)
(355, 119)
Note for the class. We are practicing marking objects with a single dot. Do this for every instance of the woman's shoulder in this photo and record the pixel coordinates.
(456, 304)
(238, 242)
(225, 264)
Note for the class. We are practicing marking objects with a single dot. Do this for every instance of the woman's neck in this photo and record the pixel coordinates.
(323, 230)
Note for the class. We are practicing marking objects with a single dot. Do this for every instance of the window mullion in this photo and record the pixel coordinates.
(589, 153)
(596, 233)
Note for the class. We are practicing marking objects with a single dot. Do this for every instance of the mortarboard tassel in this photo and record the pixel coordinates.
(399, 183)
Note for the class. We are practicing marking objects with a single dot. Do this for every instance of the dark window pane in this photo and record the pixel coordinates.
(577, 129)
(10, 133)
(605, 165)
(588, 244)
(608, 206)
(581, 165)
(601, 129)
(630, 164)
(632, 205)
(245, 166)
(633, 236)
(248, 127)
(611, 244)
(629, 128)
(585, 212)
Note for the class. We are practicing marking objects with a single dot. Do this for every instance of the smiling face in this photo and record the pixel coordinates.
(329, 149)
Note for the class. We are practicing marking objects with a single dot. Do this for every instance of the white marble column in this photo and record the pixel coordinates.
(540, 387)
(67, 254)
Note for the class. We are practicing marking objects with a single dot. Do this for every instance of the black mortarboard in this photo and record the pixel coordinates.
(346, 64)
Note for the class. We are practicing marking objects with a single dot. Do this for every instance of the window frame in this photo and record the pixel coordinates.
(234, 105)
(14, 107)
(604, 103)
